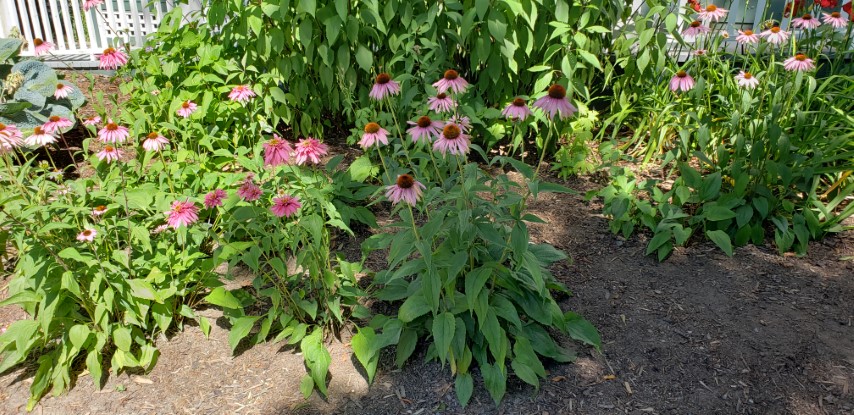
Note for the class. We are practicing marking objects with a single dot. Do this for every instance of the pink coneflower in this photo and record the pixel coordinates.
(424, 129)
(383, 87)
(62, 91)
(441, 103)
(699, 52)
(187, 108)
(56, 123)
(451, 80)
(277, 151)
(746, 80)
(10, 137)
(834, 19)
(41, 47)
(112, 59)
(285, 206)
(517, 110)
(99, 210)
(182, 213)
(775, 36)
(806, 22)
(113, 133)
(799, 62)
(461, 121)
(746, 37)
(159, 229)
(109, 154)
(88, 4)
(373, 134)
(249, 191)
(214, 198)
(39, 138)
(695, 29)
(452, 140)
(556, 102)
(241, 94)
(712, 12)
(309, 149)
(88, 235)
(406, 189)
(681, 81)
(154, 142)
(94, 120)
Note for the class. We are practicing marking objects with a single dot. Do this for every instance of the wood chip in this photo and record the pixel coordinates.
(142, 380)
(628, 387)
(558, 378)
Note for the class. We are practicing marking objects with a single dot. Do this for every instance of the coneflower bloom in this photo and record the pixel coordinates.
(373, 134)
(39, 138)
(556, 102)
(517, 110)
(154, 142)
(775, 35)
(56, 123)
(834, 19)
(62, 91)
(109, 154)
(424, 129)
(695, 29)
(452, 140)
(88, 4)
(285, 206)
(99, 210)
(309, 149)
(441, 103)
(10, 137)
(406, 189)
(799, 62)
(277, 151)
(214, 198)
(88, 235)
(187, 108)
(113, 133)
(746, 37)
(461, 121)
(681, 81)
(182, 214)
(41, 47)
(159, 229)
(712, 12)
(112, 59)
(241, 94)
(746, 80)
(249, 191)
(451, 80)
(699, 52)
(383, 87)
(806, 22)
(94, 120)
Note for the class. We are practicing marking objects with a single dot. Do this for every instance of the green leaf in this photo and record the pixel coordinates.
(78, 335)
(722, 240)
(223, 298)
(443, 332)
(414, 307)
(240, 328)
(715, 212)
(306, 385)
(362, 168)
(495, 381)
(122, 338)
(364, 58)
(405, 346)
(205, 325)
(581, 330)
(317, 358)
(464, 386)
(363, 344)
(143, 289)
(307, 6)
(93, 364)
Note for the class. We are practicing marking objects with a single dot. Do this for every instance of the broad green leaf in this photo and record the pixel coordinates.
(223, 298)
(722, 240)
(414, 307)
(443, 332)
(363, 347)
(240, 328)
(464, 386)
(581, 329)
(495, 381)
(122, 338)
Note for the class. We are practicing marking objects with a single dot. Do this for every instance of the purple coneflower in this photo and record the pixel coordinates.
(695, 29)
(441, 103)
(285, 206)
(88, 4)
(62, 91)
(309, 149)
(699, 52)
(249, 191)
(88, 235)
(424, 129)
(517, 110)
(109, 154)
(159, 229)
(113, 133)
(241, 94)
(746, 80)
(277, 151)
(39, 138)
(775, 36)
(712, 12)
(452, 140)
(154, 142)
(681, 81)
(94, 120)
(406, 189)
(41, 47)
(10, 137)
(214, 198)
(834, 19)
(799, 62)
(112, 59)
(806, 22)
(383, 87)
(556, 102)
(187, 108)
(451, 80)
(99, 210)
(747, 37)
(182, 214)
(373, 134)
(461, 121)
(56, 123)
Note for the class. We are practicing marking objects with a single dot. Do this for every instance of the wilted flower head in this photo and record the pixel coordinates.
(154, 142)
(113, 133)
(109, 154)
(374, 134)
(187, 108)
(712, 12)
(746, 80)
(182, 214)
(424, 129)
(556, 102)
(452, 140)
(62, 91)
(285, 205)
(747, 37)
(441, 103)
(112, 59)
(56, 123)
(681, 81)
(41, 47)
(277, 151)
(775, 35)
(241, 93)
(39, 138)
(383, 87)
(799, 62)
(517, 110)
(214, 198)
(451, 80)
(88, 235)
(309, 149)
(406, 189)
(806, 22)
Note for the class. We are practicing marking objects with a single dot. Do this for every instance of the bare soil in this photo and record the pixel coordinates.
(701, 333)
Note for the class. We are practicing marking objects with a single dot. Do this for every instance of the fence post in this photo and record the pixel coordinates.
(8, 17)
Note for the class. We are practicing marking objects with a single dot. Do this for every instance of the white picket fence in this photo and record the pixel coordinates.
(79, 35)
